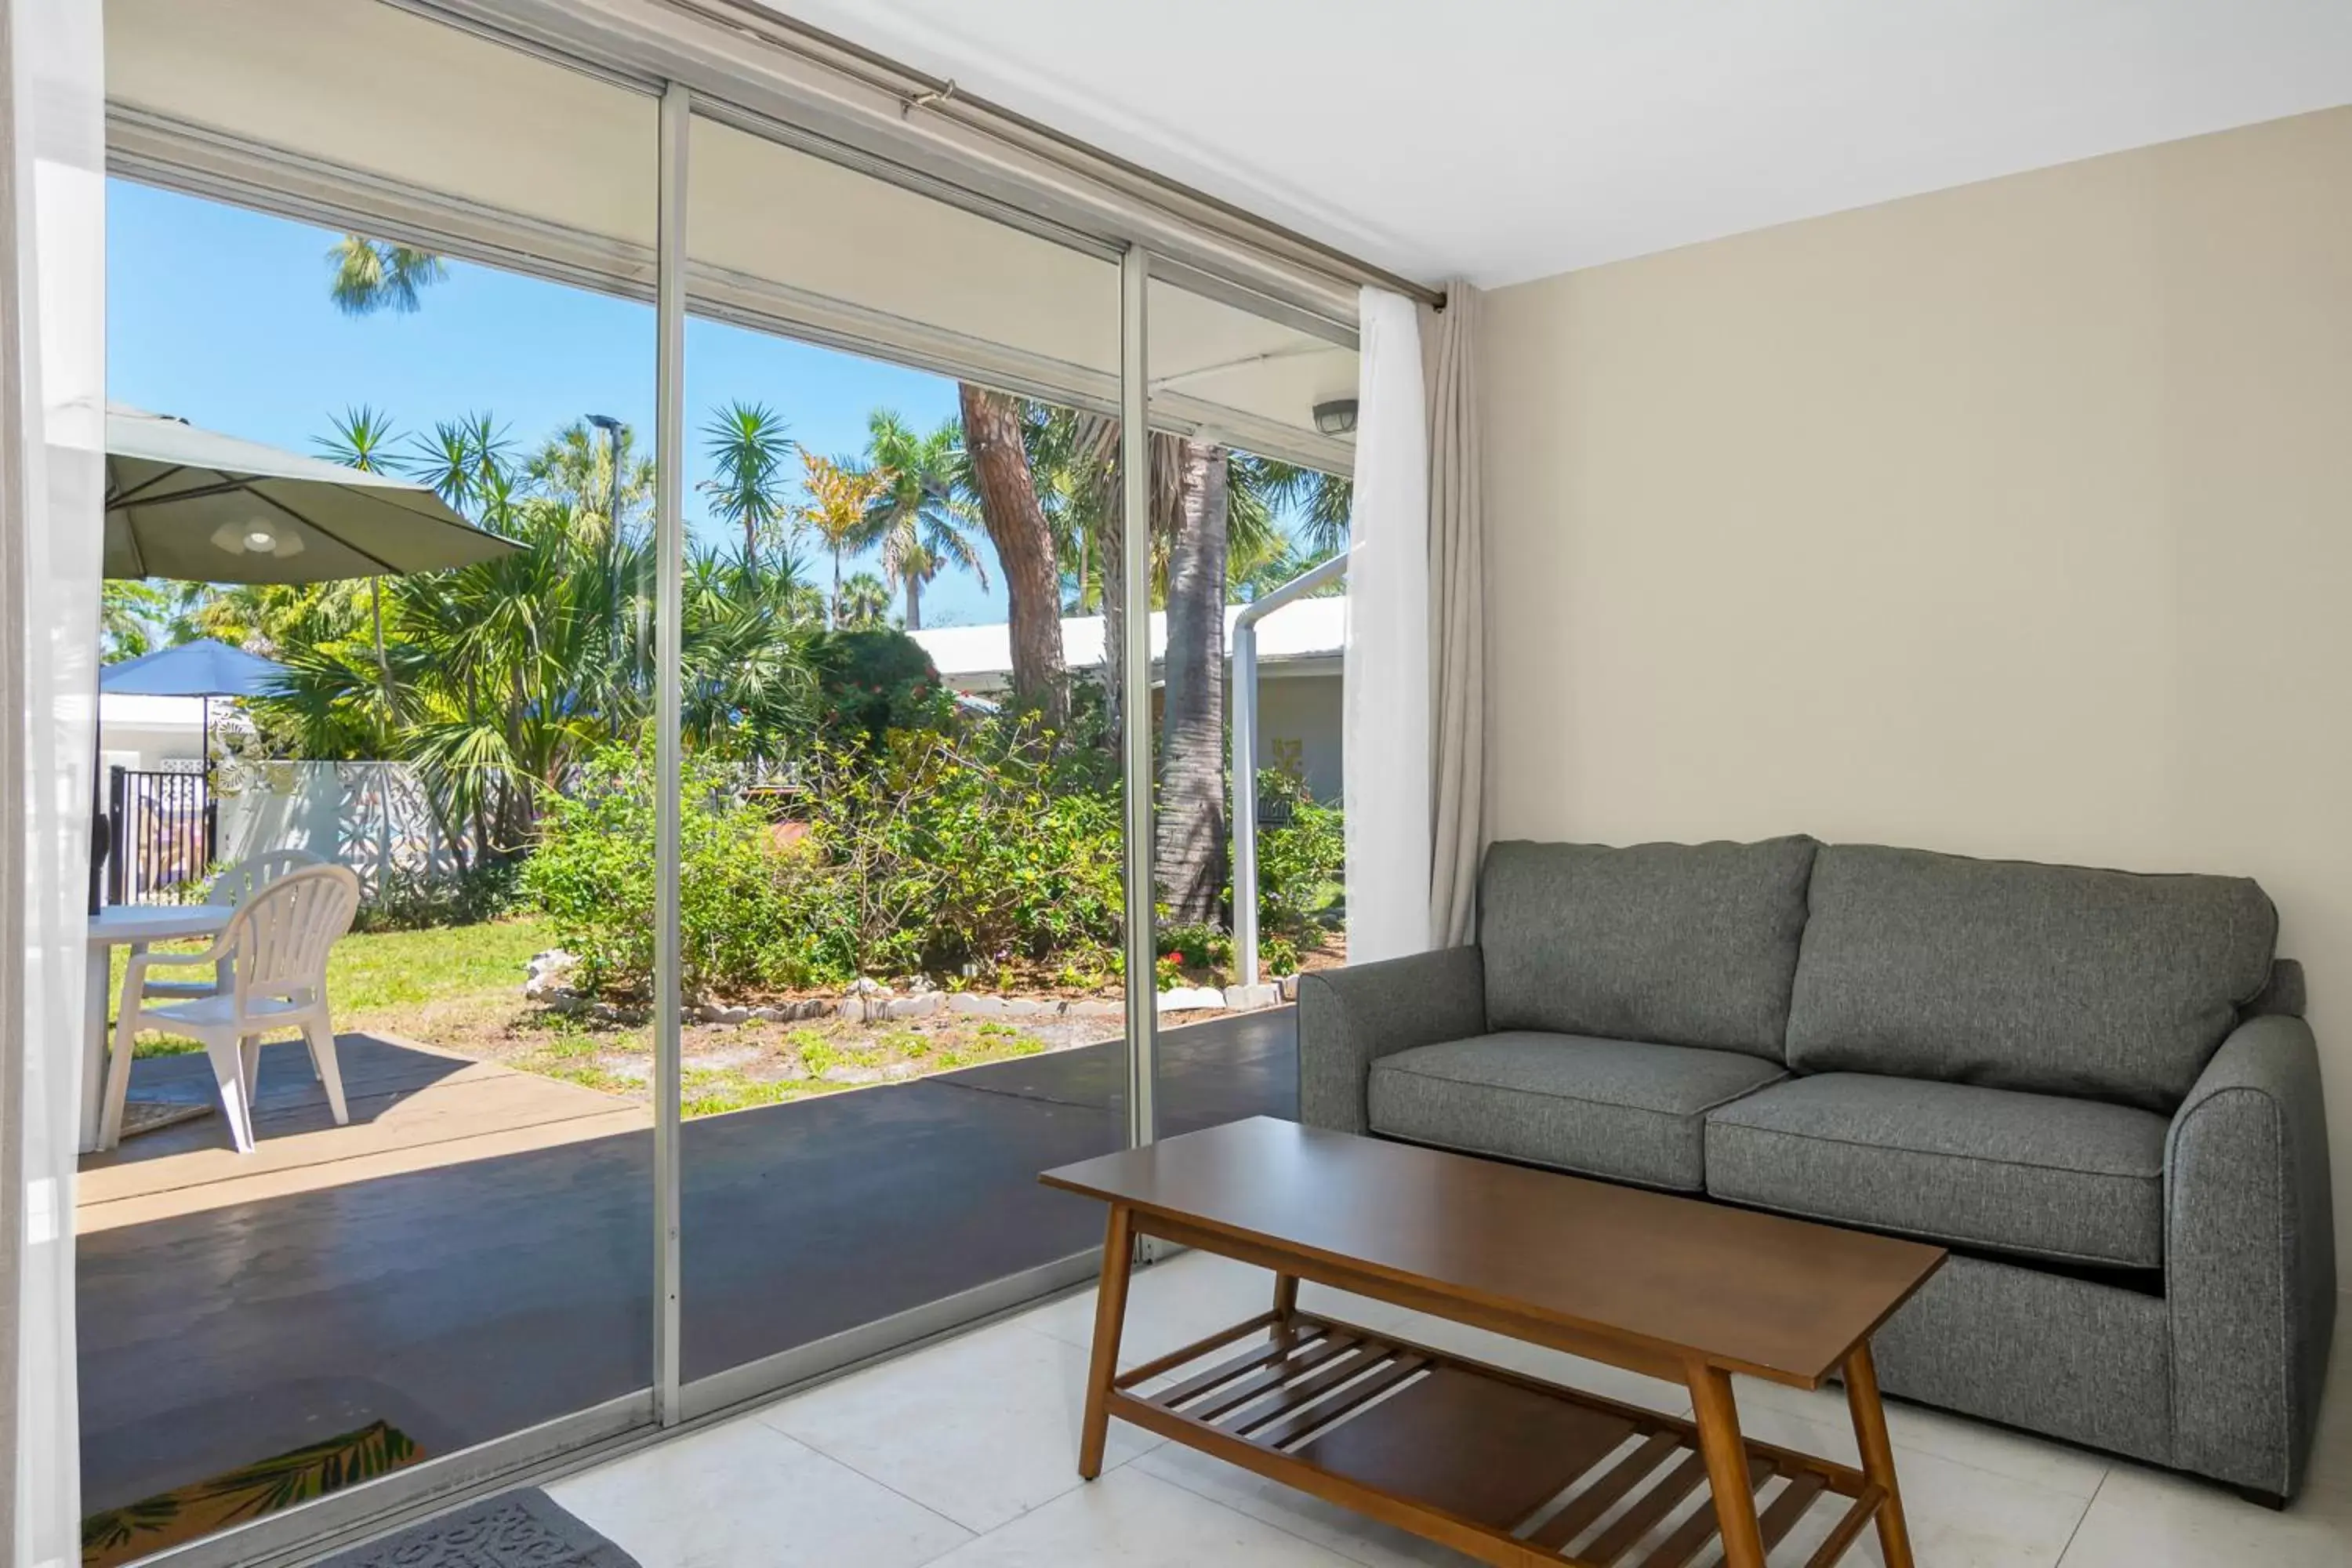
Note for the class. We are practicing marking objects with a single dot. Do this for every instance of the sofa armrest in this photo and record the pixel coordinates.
(2249, 1257)
(1348, 1018)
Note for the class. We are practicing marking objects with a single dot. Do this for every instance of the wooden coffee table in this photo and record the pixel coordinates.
(1472, 1455)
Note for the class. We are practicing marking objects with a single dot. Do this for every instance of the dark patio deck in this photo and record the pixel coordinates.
(503, 1287)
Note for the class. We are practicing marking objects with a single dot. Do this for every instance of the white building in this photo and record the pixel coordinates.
(151, 734)
(1298, 661)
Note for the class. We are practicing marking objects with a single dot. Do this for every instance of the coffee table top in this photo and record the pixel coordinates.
(1779, 1298)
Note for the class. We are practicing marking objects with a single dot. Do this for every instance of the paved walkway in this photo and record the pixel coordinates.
(471, 1299)
(413, 1107)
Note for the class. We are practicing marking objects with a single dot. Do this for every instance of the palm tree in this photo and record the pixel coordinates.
(363, 438)
(748, 446)
(463, 459)
(371, 275)
(1216, 528)
(998, 461)
(1319, 502)
(1188, 857)
(508, 672)
(839, 492)
(864, 602)
(128, 615)
(920, 521)
(749, 683)
(1256, 579)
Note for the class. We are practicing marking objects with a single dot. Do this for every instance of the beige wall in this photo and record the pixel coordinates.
(2012, 519)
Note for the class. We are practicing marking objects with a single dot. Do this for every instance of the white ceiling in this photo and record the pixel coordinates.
(1503, 140)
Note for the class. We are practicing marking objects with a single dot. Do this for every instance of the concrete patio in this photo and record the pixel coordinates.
(471, 1256)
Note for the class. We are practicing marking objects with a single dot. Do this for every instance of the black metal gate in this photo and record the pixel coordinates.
(160, 833)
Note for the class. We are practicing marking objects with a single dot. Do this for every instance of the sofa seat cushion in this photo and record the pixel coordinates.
(1620, 1108)
(2074, 1180)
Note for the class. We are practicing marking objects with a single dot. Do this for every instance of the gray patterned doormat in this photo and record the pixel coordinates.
(523, 1529)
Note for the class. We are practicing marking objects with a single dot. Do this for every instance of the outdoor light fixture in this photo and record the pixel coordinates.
(256, 539)
(1336, 417)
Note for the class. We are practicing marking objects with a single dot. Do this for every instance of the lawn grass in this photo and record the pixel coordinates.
(461, 988)
(378, 979)
(394, 969)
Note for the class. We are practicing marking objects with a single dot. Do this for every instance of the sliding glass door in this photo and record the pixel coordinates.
(796, 843)
(1251, 446)
(360, 241)
(902, 890)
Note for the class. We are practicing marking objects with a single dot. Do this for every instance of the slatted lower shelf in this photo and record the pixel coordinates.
(1513, 1470)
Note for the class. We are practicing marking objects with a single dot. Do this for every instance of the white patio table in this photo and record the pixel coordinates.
(136, 926)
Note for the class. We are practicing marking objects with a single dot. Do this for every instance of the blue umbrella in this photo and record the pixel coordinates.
(201, 668)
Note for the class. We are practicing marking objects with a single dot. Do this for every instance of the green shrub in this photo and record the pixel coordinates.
(1300, 864)
(1201, 946)
(594, 874)
(931, 848)
(946, 847)
(1278, 954)
(404, 901)
(873, 681)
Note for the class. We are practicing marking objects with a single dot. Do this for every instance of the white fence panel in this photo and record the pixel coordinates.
(373, 818)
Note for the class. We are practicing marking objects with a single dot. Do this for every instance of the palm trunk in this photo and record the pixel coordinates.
(1024, 548)
(914, 602)
(1189, 860)
(835, 615)
(1110, 552)
(382, 666)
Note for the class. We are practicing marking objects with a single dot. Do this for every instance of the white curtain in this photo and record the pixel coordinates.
(1384, 741)
(1457, 621)
(52, 430)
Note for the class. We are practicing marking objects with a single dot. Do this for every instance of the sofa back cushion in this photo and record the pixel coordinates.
(1683, 944)
(2055, 979)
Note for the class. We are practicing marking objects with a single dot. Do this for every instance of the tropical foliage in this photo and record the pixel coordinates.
(373, 275)
(838, 494)
(748, 446)
(931, 848)
(923, 517)
(520, 687)
(497, 680)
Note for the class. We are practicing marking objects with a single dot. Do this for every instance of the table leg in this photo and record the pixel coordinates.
(98, 974)
(1877, 1454)
(1110, 1315)
(1726, 1466)
(1286, 1296)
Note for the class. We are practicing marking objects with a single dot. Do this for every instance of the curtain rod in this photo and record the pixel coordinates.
(917, 92)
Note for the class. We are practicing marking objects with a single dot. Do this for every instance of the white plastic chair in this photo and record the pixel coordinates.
(275, 949)
(233, 887)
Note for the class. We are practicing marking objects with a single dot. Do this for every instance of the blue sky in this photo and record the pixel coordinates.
(221, 316)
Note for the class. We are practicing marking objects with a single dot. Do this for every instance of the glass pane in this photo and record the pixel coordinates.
(902, 890)
(1251, 455)
(468, 1254)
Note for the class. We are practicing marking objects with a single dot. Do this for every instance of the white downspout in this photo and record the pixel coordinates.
(1244, 765)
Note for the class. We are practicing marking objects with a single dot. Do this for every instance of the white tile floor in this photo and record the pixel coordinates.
(965, 1454)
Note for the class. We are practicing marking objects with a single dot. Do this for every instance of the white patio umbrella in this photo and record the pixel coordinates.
(195, 505)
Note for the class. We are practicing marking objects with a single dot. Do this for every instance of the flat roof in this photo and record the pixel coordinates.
(1306, 630)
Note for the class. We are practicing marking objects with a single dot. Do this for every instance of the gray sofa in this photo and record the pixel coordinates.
(2096, 1087)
